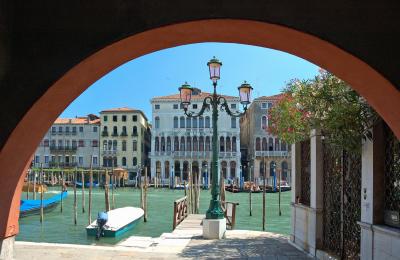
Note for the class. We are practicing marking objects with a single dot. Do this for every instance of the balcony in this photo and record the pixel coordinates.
(109, 152)
(104, 133)
(63, 164)
(272, 153)
(60, 132)
(134, 134)
(114, 134)
(124, 134)
(53, 132)
(73, 132)
(63, 148)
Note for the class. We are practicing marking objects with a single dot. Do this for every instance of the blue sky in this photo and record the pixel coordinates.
(161, 73)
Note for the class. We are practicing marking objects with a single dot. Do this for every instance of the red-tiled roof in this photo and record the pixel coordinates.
(197, 97)
(77, 121)
(269, 98)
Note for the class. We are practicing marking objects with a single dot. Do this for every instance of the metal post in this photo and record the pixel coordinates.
(215, 211)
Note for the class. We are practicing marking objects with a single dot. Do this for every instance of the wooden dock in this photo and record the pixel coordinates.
(190, 226)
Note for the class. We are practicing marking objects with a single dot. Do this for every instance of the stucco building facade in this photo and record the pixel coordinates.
(180, 143)
(258, 145)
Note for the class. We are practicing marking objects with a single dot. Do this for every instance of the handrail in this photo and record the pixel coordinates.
(180, 211)
(230, 213)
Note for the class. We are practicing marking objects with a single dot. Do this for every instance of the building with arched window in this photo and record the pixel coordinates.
(259, 146)
(128, 144)
(188, 140)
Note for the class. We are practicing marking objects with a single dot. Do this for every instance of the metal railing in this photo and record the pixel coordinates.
(272, 153)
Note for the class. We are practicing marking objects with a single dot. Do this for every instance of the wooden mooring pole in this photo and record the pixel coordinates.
(264, 174)
(279, 198)
(83, 191)
(145, 194)
(41, 193)
(251, 186)
(62, 189)
(90, 191)
(107, 199)
(75, 200)
(34, 185)
(29, 184)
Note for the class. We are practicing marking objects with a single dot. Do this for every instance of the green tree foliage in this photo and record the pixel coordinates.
(327, 103)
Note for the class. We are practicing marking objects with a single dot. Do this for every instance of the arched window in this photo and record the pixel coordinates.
(168, 143)
(234, 144)
(104, 145)
(264, 144)
(201, 143)
(176, 143)
(222, 144)
(258, 145)
(123, 145)
(207, 123)
(283, 146)
(182, 122)
(277, 148)
(233, 169)
(194, 122)
(157, 122)
(134, 161)
(223, 169)
(264, 122)
(123, 130)
(195, 144)
(134, 145)
(188, 143)
(208, 146)
(105, 128)
(105, 162)
(183, 143)
(188, 122)
(134, 131)
(166, 169)
(262, 170)
(123, 161)
(201, 122)
(284, 170)
(156, 144)
(162, 144)
(115, 162)
(176, 122)
(270, 144)
(115, 131)
(109, 145)
(228, 144)
(115, 144)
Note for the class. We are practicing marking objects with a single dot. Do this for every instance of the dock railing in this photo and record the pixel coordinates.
(180, 211)
(230, 213)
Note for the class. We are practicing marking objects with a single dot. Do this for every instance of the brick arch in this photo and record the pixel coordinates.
(18, 148)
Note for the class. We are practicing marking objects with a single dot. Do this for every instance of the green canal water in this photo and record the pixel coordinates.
(59, 227)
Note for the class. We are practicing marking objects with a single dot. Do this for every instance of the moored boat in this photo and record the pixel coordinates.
(115, 222)
(31, 207)
(38, 187)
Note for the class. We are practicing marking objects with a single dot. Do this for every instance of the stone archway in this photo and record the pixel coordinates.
(19, 146)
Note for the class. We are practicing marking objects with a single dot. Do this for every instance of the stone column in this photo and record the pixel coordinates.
(316, 196)
(372, 190)
(7, 248)
(296, 150)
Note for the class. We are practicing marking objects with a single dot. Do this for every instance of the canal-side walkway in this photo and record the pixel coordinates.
(185, 242)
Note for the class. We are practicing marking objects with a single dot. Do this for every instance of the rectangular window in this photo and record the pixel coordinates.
(123, 145)
(194, 106)
(81, 143)
(67, 129)
(60, 129)
(81, 129)
(53, 129)
(124, 118)
(60, 143)
(37, 159)
(157, 106)
(46, 159)
(73, 143)
(95, 129)
(233, 106)
(233, 122)
(74, 129)
(94, 160)
(269, 105)
(53, 158)
(115, 118)
(175, 106)
(95, 143)
(134, 118)
(181, 106)
(80, 160)
(105, 118)
(134, 146)
(264, 105)
(46, 142)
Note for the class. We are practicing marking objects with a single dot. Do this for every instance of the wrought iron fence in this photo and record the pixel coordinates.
(392, 178)
(342, 203)
(305, 173)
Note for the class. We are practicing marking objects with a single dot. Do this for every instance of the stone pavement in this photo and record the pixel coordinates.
(185, 242)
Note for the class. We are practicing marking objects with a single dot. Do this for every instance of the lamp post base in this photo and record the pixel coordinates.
(214, 228)
(215, 211)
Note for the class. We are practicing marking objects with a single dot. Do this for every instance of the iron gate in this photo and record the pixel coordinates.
(305, 173)
(342, 203)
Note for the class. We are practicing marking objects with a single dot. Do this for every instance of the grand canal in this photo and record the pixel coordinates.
(59, 227)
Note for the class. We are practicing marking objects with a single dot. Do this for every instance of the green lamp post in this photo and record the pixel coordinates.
(215, 101)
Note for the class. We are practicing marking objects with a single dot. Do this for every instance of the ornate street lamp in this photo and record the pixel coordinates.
(215, 101)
